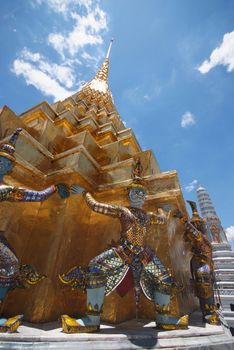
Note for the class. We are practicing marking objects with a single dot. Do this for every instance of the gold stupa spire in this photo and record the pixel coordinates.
(102, 73)
(100, 81)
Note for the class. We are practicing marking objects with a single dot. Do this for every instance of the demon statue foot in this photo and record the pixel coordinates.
(27, 276)
(212, 319)
(82, 325)
(168, 322)
(164, 319)
(11, 324)
(91, 322)
(210, 314)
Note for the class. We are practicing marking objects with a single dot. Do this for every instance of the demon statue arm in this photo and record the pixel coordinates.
(107, 209)
(190, 229)
(17, 194)
(116, 210)
(158, 219)
(102, 208)
(197, 240)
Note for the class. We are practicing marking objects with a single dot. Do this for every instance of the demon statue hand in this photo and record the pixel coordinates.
(129, 263)
(201, 263)
(13, 275)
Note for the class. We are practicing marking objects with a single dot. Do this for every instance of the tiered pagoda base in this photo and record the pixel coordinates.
(125, 336)
(223, 258)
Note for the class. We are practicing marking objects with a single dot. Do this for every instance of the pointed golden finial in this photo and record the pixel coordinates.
(99, 82)
(109, 49)
(102, 73)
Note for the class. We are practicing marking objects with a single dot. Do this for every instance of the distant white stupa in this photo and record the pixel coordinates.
(216, 233)
(223, 256)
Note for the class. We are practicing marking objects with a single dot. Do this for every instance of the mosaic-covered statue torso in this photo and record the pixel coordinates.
(130, 252)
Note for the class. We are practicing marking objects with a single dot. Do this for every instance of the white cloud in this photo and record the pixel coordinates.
(230, 233)
(191, 186)
(50, 78)
(136, 95)
(132, 94)
(93, 61)
(63, 73)
(79, 45)
(40, 80)
(72, 62)
(31, 56)
(187, 119)
(146, 97)
(222, 55)
(64, 6)
(143, 93)
(86, 31)
(87, 22)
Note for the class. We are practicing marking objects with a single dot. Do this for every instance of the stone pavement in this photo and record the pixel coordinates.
(126, 336)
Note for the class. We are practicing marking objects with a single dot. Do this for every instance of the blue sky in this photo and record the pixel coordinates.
(171, 75)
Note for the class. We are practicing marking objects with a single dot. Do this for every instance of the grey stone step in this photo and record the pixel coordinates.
(221, 247)
(223, 253)
(228, 314)
(126, 336)
(223, 265)
(222, 285)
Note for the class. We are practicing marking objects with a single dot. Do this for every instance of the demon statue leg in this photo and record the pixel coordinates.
(11, 324)
(95, 297)
(158, 286)
(204, 290)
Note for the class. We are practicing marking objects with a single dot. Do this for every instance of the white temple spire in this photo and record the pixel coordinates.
(216, 232)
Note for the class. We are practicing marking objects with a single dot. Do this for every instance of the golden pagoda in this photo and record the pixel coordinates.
(82, 140)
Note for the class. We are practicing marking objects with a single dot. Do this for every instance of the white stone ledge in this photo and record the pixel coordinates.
(126, 336)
